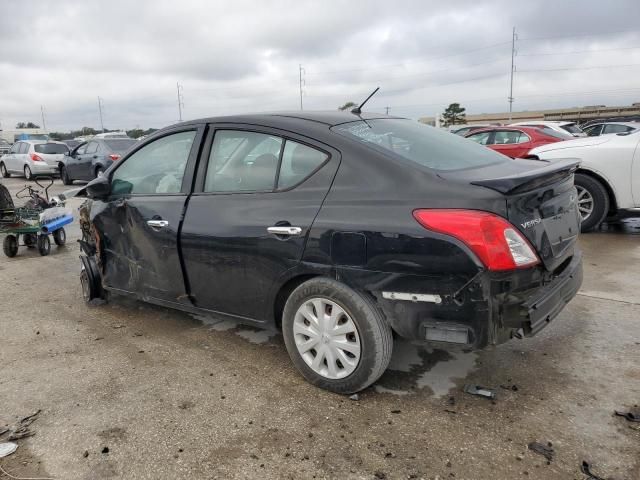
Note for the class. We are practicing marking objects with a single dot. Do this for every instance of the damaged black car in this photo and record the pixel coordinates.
(342, 230)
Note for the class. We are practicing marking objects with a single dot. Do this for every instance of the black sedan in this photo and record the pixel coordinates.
(339, 229)
(87, 160)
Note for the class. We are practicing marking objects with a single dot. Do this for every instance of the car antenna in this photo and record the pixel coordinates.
(358, 110)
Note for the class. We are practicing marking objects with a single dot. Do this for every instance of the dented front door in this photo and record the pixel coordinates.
(140, 221)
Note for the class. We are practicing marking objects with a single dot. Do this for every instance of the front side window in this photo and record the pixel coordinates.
(593, 131)
(15, 148)
(92, 147)
(24, 148)
(156, 168)
(81, 149)
(242, 161)
(426, 146)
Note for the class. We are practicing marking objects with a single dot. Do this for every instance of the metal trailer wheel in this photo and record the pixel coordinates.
(10, 246)
(30, 240)
(44, 245)
(60, 237)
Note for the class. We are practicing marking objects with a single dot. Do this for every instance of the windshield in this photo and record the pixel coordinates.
(555, 133)
(422, 144)
(120, 145)
(50, 148)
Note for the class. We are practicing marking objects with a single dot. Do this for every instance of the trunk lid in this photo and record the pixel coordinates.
(541, 203)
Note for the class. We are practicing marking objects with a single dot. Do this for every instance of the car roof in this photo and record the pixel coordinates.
(628, 124)
(544, 122)
(524, 128)
(329, 117)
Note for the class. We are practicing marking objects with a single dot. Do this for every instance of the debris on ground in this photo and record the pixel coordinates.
(7, 448)
(355, 397)
(480, 391)
(631, 416)
(3, 430)
(513, 388)
(545, 450)
(22, 430)
(586, 469)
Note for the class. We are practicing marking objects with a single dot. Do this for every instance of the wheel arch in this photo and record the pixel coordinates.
(613, 204)
(284, 292)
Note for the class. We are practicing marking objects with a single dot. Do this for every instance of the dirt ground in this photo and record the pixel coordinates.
(128, 390)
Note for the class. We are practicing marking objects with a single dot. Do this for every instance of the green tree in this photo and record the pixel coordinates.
(27, 125)
(347, 106)
(453, 115)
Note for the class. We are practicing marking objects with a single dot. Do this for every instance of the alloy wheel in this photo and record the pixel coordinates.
(585, 202)
(327, 338)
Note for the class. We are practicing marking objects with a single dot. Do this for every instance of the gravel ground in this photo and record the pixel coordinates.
(129, 390)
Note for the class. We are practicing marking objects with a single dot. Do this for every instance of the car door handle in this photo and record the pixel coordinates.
(157, 224)
(285, 230)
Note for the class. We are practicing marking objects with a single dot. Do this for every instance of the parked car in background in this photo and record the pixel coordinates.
(112, 135)
(314, 236)
(90, 159)
(604, 128)
(571, 128)
(514, 142)
(32, 158)
(608, 178)
(4, 146)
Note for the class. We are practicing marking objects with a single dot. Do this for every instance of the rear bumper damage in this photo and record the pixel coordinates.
(487, 310)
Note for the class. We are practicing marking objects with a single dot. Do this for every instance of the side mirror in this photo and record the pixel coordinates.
(99, 188)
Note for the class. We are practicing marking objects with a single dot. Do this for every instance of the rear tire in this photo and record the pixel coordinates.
(10, 246)
(594, 198)
(3, 171)
(99, 170)
(60, 237)
(64, 176)
(371, 340)
(44, 245)
(27, 173)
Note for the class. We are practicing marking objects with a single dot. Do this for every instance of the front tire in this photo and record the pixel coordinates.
(44, 245)
(3, 171)
(10, 246)
(64, 176)
(592, 201)
(27, 173)
(336, 337)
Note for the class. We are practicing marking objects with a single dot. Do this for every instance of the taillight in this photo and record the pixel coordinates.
(114, 156)
(36, 158)
(496, 242)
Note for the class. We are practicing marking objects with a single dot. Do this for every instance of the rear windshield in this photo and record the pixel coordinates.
(572, 128)
(422, 144)
(120, 145)
(50, 148)
(555, 134)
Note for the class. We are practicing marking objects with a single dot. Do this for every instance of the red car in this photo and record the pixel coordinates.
(515, 142)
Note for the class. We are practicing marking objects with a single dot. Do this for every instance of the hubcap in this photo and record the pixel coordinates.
(327, 338)
(585, 203)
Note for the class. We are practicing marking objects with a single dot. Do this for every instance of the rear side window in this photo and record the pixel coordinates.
(613, 128)
(51, 148)
(158, 167)
(242, 161)
(24, 148)
(119, 145)
(298, 162)
(419, 143)
(508, 137)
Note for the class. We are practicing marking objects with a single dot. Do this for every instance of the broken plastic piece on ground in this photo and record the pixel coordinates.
(586, 469)
(7, 448)
(355, 396)
(545, 450)
(631, 416)
(480, 391)
(22, 428)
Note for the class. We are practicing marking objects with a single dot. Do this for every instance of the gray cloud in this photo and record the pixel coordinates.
(244, 56)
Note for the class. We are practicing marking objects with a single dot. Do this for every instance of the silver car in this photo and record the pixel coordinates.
(31, 158)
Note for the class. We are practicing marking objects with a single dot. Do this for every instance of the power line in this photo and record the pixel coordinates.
(592, 67)
(513, 69)
(601, 34)
(100, 105)
(577, 51)
(180, 100)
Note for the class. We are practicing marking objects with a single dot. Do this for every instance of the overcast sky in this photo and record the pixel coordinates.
(242, 56)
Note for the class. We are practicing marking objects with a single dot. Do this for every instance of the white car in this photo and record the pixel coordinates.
(608, 178)
(568, 128)
(31, 158)
(604, 128)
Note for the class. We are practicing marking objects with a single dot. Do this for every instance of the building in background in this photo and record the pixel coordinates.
(14, 135)
(577, 114)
